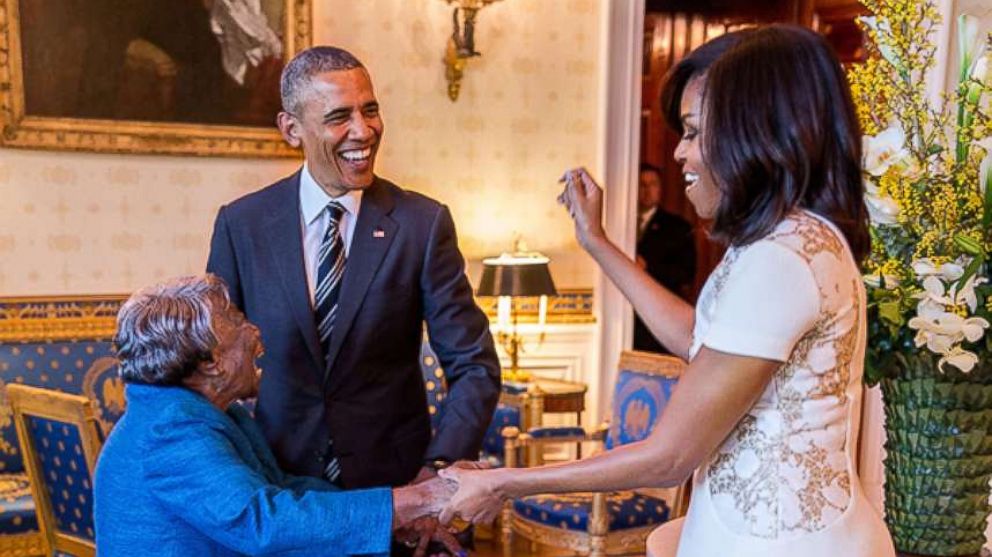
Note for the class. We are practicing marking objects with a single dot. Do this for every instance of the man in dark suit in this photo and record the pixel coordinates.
(340, 269)
(665, 249)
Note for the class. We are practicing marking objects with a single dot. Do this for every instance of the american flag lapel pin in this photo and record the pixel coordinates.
(378, 233)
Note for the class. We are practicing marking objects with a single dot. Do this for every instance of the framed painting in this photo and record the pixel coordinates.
(181, 77)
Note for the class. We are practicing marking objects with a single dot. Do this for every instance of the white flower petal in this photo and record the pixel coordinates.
(974, 328)
(934, 287)
(924, 267)
(885, 149)
(951, 271)
(939, 344)
(961, 359)
(882, 210)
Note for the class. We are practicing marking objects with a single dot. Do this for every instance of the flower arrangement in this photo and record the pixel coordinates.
(928, 190)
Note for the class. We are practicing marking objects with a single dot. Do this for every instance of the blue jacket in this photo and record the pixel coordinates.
(178, 477)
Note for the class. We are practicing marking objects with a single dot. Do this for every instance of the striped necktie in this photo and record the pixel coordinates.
(330, 269)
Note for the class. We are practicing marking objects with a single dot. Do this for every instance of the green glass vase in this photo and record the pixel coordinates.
(938, 460)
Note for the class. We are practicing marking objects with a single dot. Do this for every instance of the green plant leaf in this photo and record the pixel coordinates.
(890, 311)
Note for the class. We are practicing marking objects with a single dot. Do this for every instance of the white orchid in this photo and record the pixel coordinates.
(925, 267)
(943, 331)
(881, 209)
(886, 149)
(965, 295)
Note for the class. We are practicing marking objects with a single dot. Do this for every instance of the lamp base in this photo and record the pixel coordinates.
(516, 375)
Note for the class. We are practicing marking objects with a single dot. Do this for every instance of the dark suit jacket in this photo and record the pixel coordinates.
(403, 269)
(668, 248)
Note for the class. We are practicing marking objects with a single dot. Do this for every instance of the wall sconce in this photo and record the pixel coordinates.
(461, 44)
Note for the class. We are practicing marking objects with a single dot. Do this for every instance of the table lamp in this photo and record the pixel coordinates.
(510, 277)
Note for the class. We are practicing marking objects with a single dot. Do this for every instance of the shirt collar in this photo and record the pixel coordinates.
(646, 215)
(313, 198)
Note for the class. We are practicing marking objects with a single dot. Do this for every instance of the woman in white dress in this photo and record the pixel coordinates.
(768, 411)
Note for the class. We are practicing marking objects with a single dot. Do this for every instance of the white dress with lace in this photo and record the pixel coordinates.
(784, 482)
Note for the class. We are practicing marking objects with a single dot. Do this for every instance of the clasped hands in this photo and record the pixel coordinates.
(462, 493)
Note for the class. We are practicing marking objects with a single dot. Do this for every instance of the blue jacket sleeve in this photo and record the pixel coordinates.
(459, 334)
(195, 471)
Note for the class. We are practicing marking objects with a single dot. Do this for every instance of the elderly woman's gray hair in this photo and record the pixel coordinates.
(164, 332)
(308, 63)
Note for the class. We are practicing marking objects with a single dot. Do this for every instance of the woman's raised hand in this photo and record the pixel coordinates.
(583, 198)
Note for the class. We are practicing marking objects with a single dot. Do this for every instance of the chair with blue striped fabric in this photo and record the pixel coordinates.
(601, 523)
(60, 438)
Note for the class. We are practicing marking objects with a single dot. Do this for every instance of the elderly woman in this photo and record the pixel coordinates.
(186, 471)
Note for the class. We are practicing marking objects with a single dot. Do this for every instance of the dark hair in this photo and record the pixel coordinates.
(693, 65)
(308, 63)
(780, 133)
(648, 167)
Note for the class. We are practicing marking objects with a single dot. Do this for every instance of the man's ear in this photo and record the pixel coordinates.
(289, 126)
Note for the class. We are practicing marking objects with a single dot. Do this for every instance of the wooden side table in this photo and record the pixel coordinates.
(541, 396)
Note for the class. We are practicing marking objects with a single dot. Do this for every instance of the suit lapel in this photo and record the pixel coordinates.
(285, 244)
(374, 233)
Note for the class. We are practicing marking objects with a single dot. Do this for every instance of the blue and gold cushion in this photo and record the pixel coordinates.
(638, 401)
(67, 366)
(626, 509)
(16, 506)
(67, 477)
(493, 443)
(434, 383)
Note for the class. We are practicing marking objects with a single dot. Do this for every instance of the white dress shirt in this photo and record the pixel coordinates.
(314, 220)
(644, 218)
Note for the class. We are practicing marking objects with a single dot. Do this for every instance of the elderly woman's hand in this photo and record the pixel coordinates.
(583, 198)
(479, 498)
(427, 498)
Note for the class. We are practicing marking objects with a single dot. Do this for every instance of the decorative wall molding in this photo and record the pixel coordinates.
(573, 305)
(58, 318)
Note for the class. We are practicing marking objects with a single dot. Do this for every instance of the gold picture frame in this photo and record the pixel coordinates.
(181, 136)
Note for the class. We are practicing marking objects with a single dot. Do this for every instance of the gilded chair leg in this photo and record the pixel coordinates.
(598, 526)
(507, 529)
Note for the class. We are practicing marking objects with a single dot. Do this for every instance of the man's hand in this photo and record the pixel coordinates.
(424, 474)
(424, 530)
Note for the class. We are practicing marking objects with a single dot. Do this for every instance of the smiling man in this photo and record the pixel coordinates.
(340, 269)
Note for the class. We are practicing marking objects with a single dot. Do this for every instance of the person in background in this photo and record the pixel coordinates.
(666, 249)
(187, 472)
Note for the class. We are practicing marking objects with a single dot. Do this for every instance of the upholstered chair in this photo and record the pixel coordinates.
(60, 439)
(601, 523)
(57, 343)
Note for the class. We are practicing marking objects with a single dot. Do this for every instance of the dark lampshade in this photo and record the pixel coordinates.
(516, 276)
